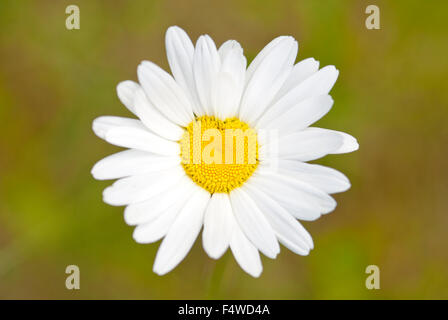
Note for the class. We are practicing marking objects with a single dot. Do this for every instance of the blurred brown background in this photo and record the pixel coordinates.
(391, 94)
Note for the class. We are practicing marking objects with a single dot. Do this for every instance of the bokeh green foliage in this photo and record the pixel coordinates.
(391, 95)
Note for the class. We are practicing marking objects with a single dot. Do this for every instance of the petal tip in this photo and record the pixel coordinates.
(94, 172)
(159, 269)
(255, 273)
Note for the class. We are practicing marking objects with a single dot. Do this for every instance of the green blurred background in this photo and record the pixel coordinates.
(391, 94)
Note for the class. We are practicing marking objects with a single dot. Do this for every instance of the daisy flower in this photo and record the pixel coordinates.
(182, 173)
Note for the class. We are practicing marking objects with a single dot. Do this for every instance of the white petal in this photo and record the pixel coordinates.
(227, 91)
(288, 230)
(253, 223)
(305, 145)
(131, 133)
(233, 60)
(182, 234)
(224, 96)
(165, 94)
(180, 50)
(311, 196)
(261, 56)
(150, 209)
(158, 227)
(206, 65)
(142, 139)
(245, 253)
(302, 200)
(103, 124)
(349, 143)
(268, 77)
(298, 117)
(126, 91)
(227, 47)
(153, 119)
(218, 225)
(131, 162)
(294, 204)
(138, 188)
(320, 83)
(324, 178)
(301, 71)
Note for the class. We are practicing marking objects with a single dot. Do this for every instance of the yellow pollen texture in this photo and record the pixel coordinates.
(219, 155)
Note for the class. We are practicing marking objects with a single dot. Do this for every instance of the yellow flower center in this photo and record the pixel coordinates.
(219, 155)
